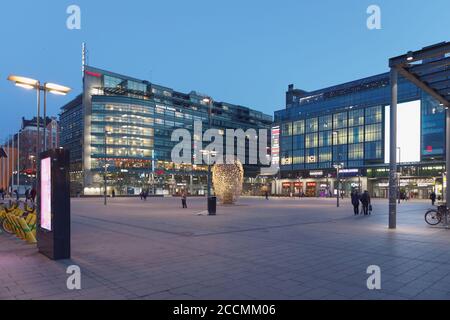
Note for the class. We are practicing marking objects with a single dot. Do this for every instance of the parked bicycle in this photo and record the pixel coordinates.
(436, 216)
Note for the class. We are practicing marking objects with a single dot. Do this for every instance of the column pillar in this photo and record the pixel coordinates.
(393, 151)
(447, 160)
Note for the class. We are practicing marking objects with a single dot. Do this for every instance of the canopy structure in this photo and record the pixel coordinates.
(428, 69)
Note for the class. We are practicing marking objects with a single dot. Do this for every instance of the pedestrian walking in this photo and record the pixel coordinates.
(33, 195)
(365, 200)
(184, 200)
(433, 198)
(27, 195)
(355, 202)
(267, 195)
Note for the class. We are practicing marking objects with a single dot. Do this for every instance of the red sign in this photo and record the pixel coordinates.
(298, 184)
(311, 184)
(94, 74)
(429, 149)
(287, 185)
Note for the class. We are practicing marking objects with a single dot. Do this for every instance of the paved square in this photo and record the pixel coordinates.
(276, 249)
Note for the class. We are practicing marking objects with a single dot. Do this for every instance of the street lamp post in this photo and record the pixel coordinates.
(32, 84)
(338, 168)
(209, 153)
(18, 158)
(210, 102)
(105, 174)
(359, 181)
(399, 172)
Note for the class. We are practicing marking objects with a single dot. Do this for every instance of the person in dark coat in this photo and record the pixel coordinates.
(355, 202)
(365, 200)
(27, 195)
(184, 200)
(33, 194)
(433, 198)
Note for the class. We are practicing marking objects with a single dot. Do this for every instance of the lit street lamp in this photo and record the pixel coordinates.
(32, 84)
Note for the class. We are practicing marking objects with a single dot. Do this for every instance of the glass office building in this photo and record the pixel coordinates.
(347, 126)
(121, 127)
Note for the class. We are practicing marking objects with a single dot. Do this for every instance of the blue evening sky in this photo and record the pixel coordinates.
(239, 51)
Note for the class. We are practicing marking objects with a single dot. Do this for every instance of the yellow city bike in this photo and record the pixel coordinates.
(4, 221)
(17, 221)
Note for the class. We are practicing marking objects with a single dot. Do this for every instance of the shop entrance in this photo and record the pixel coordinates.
(311, 188)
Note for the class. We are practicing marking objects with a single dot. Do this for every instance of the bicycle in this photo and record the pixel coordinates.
(436, 216)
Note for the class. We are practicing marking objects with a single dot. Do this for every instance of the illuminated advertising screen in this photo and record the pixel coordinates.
(408, 132)
(46, 194)
(276, 146)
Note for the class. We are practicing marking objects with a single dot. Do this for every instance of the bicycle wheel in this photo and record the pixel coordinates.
(433, 217)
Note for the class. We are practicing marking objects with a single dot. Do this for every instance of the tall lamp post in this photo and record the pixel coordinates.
(209, 153)
(105, 174)
(399, 172)
(32, 84)
(338, 167)
(210, 103)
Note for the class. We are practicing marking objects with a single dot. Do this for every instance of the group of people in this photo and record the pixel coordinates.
(144, 195)
(30, 194)
(363, 199)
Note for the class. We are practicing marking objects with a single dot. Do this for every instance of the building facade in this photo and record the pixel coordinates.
(121, 127)
(22, 150)
(347, 127)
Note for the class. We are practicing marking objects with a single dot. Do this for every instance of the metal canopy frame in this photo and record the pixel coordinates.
(428, 69)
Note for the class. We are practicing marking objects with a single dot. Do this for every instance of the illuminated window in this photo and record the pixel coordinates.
(311, 140)
(356, 151)
(373, 132)
(286, 129)
(299, 127)
(340, 120)
(312, 125)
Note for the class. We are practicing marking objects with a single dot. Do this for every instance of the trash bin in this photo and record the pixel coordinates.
(212, 206)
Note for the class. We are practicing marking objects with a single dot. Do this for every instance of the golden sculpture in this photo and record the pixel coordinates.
(228, 180)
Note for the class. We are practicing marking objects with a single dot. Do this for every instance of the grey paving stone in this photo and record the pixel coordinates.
(281, 249)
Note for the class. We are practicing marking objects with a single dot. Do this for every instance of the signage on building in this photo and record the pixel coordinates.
(276, 146)
(316, 173)
(349, 171)
(287, 184)
(311, 184)
(298, 184)
(312, 159)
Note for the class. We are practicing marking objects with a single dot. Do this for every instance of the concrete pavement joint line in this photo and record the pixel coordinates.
(190, 234)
